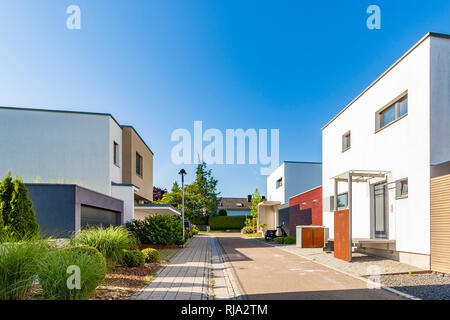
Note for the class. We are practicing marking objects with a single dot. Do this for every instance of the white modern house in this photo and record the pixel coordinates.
(52, 149)
(386, 171)
(289, 179)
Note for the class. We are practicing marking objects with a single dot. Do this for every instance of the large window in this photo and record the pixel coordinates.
(116, 154)
(346, 141)
(393, 112)
(342, 202)
(139, 165)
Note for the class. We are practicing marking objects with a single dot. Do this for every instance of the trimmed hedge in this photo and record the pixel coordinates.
(286, 240)
(133, 258)
(279, 240)
(230, 222)
(151, 255)
(159, 229)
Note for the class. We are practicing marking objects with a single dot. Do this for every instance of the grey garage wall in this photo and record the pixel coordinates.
(58, 206)
(54, 206)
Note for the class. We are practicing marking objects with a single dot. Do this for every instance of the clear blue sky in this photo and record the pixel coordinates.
(160, 65)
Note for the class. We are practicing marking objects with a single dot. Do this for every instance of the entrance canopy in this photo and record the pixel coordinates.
(343, 240)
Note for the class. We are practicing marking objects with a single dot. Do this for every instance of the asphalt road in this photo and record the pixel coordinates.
(266, 272)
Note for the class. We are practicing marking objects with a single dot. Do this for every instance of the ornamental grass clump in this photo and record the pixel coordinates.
(109, 241)
(71, 273)
(19, 268)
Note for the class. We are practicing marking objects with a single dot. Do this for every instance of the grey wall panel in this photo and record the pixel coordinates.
(54, 206)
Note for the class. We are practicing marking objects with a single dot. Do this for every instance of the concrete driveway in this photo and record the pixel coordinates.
(265, 272)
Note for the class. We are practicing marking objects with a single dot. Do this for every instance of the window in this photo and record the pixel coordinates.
(279, 183)
(139, 165)
(342, 201)
(392, 113)
(401, 189)
(346, 141)
(116, 153)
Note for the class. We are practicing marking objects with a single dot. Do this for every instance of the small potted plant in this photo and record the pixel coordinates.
(263, 226)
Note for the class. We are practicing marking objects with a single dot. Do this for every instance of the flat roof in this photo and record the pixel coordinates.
(428, 35)
(80, 112)
(137, 133)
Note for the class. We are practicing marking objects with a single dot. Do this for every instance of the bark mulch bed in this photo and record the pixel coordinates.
(122, 283)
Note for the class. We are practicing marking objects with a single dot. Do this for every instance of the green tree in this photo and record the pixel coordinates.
(200, 197)
(16, 209)
(256, 199)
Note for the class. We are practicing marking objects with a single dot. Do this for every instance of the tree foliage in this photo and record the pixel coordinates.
(200, 197)
(18, 218)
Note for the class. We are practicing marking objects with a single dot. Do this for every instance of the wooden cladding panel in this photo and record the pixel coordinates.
(341, 235)
(307, 238)
(440, 224)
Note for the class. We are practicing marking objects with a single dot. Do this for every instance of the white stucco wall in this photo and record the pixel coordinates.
(115, 135)
(440, 100)
(125, 193)
(402, 148)
(298, 177)
(274, 193)
(56, 147)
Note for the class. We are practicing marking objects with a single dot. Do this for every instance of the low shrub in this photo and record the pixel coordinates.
(195, 230)
(151, 255)
(18, 268)
(222, 213)
(279, 240)
(247, 230)
(223, 223)
(133, 258)
(110, 241)
(71, 273)
(289, 240)
(159, 229)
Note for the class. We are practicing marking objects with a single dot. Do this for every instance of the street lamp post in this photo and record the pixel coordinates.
(182, 173)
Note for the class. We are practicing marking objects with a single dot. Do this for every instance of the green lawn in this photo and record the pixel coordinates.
(167, 254)
(221, 231)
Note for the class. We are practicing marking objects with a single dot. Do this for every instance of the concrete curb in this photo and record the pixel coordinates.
(369, 282)
(227, 270)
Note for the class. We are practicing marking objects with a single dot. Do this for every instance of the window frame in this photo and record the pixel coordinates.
(141, 166)
(398, 189)
(338, 207)
(116, 156)
(395, 103)
(279, 183)
(349, 134)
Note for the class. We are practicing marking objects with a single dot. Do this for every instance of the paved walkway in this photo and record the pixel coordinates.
(198, 272)
(265, 272)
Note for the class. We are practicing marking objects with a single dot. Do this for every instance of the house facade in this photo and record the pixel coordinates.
(235, 206)
(378, 153)
(91, 151)
(289, 179)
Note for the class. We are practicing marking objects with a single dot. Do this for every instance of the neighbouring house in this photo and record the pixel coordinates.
(236, 206)
(386, 169)
(288, 180)
(80, 168)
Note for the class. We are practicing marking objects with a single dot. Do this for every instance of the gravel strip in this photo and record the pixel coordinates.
(429, 286)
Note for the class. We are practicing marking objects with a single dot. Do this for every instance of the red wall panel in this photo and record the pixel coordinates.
(310, 200)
